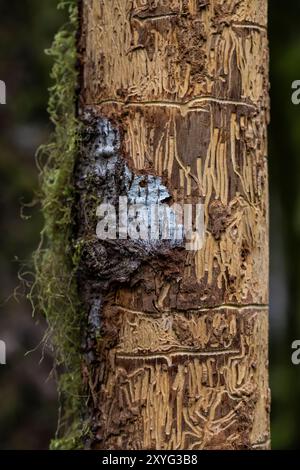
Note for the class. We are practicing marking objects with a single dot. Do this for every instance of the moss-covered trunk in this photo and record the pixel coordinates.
(173, 103)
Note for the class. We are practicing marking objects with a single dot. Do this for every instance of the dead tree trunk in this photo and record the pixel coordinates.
(174, 105)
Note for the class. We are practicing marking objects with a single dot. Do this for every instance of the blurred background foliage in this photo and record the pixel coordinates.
(28, 412)
(284, 166)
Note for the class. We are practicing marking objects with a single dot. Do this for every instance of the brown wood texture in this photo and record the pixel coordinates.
(179, 89)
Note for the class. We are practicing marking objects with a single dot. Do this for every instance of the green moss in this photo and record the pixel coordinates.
(54, 292)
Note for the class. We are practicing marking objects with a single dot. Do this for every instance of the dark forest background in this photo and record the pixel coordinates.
(28, 411)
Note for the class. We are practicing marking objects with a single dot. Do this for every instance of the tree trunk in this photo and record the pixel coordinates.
(174, 104)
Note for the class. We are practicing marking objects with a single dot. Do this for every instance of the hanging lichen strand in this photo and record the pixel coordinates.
(176, 93)
(54, 292)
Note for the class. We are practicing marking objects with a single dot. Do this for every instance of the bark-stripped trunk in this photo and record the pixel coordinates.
(174, 96)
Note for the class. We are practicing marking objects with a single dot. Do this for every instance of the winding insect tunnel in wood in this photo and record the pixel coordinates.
(177, 91)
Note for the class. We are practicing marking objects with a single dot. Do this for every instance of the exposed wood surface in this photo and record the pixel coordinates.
(179, 89)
